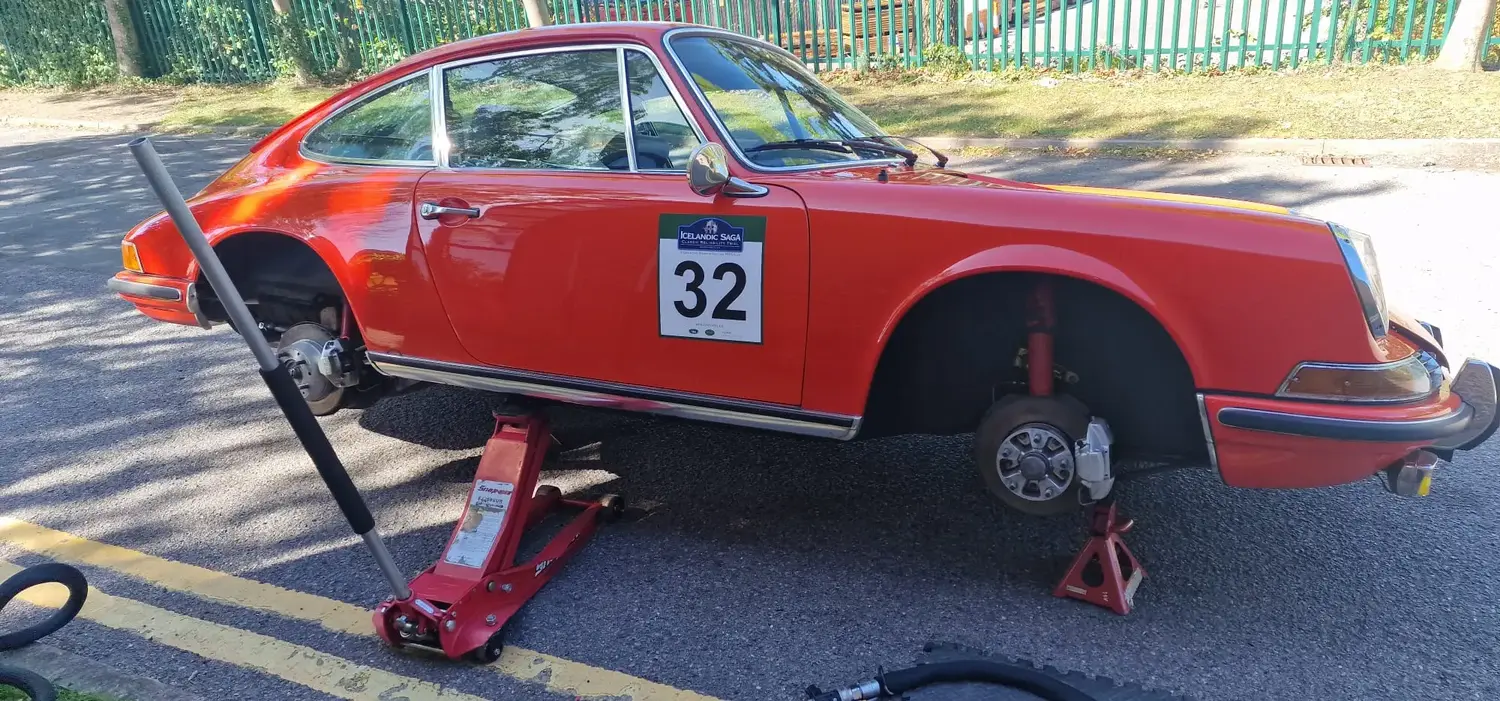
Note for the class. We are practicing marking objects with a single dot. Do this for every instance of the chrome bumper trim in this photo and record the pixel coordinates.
(1208, 432)
(141, 289)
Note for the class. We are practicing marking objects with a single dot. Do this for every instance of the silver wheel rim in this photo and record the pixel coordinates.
(1035, 462)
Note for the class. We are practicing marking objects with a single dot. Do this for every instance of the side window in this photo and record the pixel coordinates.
(393, 125)
(664, 138)
(553, 110)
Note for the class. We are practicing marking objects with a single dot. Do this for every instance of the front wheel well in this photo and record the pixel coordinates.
(957, 351)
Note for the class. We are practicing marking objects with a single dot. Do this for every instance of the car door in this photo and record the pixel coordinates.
(570, 245)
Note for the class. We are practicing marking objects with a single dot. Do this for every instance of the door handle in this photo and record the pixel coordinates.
(432, 210)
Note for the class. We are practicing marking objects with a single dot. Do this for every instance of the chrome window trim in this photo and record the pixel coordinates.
(440, 144)
(1427, 360)
(1208, 432)
(619, 48)
(749, 414)
(625, 109)
(713, 115)
(362, 99)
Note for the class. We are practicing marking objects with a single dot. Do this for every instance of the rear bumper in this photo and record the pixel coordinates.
(169, 299)
(1267, 442)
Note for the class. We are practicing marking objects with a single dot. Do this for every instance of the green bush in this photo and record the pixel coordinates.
(946, 60)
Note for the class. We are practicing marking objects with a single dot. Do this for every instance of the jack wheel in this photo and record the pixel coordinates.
(613, 508)
(549, 489)
(491, 649)
(1024, 451)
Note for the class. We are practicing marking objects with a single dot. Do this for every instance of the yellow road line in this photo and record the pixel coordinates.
(295, 663)
(559, 675)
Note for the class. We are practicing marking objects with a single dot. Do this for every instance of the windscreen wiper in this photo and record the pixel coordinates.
(839, 145)
(942, 159)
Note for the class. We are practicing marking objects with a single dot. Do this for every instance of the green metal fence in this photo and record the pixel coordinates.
(233, 40)
(59, 41)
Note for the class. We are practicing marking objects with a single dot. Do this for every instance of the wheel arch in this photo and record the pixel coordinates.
(1045, 260)
(227, 244)
(1012, 264)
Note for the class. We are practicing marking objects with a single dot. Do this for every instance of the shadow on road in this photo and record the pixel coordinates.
(69, 201)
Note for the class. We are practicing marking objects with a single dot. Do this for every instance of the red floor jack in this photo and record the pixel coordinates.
(460, 604)
(1105, 573)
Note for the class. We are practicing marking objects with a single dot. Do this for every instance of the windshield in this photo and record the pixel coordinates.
(763, 96)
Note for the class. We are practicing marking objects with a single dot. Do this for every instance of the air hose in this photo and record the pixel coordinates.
(887, 684)
(35, 686)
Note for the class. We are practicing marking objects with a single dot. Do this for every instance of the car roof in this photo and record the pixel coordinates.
(642, 32)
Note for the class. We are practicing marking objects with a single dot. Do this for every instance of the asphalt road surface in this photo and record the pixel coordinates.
(766, 562)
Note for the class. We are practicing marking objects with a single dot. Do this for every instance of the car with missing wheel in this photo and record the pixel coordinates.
(684, 221)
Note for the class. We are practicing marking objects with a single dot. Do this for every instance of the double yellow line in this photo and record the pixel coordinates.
(295, 663)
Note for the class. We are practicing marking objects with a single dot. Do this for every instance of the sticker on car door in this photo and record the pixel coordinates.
(709, 276)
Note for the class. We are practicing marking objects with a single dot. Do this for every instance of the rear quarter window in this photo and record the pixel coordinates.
(393, 126)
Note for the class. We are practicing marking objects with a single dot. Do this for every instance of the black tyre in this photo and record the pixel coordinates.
(36, 687)
(491, 650)
(46, 573)
(1035, 479)
(548, 489)
(614, 508)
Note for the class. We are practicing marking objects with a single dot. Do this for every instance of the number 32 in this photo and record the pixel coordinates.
(694, 273)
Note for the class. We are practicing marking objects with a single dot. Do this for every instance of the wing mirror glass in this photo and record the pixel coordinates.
(708, 169)
(708, 174)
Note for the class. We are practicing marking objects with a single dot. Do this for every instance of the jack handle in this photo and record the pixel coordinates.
(283, 389)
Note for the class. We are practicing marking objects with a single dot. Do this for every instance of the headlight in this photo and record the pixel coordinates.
(1359, 257)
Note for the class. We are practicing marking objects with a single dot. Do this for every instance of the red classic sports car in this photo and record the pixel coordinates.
(680, 220)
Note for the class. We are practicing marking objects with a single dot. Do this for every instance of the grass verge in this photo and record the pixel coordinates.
(1351, 103)
(9, 694)
(1324, 103)
(243, 106)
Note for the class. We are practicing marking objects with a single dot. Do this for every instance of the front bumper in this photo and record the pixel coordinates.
(1279, 443)
(1465, 427)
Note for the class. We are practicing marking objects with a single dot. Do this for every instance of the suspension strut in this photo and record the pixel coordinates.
(1040, 320)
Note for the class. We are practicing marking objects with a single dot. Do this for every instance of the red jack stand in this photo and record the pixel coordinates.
(1104, 573)
(460, 604)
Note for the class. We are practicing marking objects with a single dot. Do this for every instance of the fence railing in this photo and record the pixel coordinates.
(229, 41)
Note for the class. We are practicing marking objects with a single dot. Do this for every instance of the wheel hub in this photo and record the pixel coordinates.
(312, 356)
(1035, 462)
(301, 358)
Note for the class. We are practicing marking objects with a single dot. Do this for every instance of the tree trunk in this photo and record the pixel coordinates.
(291, 41)
(1463, 48)
(347, 43)
(538, 13)
(122, 31)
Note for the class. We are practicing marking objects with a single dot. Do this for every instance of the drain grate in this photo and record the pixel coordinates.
(1327, 160)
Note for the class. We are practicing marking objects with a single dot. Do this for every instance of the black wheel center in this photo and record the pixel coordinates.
(1033, 467)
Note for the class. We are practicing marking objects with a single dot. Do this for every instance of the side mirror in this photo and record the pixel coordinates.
(708, 174)
(708, 169)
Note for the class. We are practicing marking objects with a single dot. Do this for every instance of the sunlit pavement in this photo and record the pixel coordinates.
(768, 562)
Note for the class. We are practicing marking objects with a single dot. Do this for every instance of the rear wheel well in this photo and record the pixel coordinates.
(956, 351)
(281, 278)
